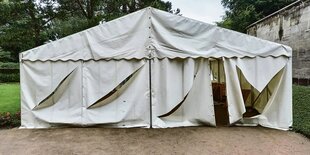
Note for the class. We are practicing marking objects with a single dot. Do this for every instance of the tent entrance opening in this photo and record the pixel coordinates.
(255, 101)
(219, 92)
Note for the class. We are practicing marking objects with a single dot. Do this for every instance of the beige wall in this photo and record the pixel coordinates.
(290, 27)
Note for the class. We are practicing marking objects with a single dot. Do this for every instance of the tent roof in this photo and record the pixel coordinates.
(152, 32)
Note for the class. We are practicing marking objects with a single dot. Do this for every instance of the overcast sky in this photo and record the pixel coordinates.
(208, 11)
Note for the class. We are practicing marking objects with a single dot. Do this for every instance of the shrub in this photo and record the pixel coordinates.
(8, 120)
(9, 77)
(9, 72)
(9, 65)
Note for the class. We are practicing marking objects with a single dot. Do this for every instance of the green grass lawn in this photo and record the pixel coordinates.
(10, 102)
(301, 109)
(9, 97)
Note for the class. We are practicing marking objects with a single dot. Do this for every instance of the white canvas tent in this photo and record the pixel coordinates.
(153, 69)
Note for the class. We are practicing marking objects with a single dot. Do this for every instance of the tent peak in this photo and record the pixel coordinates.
(130, 36)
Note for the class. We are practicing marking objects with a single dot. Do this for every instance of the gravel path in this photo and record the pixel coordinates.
(195, 140)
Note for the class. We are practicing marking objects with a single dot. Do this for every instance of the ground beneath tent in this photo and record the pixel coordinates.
(201, 140)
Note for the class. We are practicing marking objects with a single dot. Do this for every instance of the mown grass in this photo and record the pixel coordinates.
(301, 110)
(9, 97)
(10, 102)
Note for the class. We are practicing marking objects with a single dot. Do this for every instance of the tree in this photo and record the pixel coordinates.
(83, 14)
(242, 13)
(115, 9)
(12, 33)
(24, 23)
(5, 56)
(95, 11)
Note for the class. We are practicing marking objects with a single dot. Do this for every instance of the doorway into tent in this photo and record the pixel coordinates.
(255, 101)
(219, 92)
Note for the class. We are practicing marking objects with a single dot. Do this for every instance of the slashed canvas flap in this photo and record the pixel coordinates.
(260, 70)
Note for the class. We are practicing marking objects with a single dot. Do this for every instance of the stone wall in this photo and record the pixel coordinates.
(289, 26)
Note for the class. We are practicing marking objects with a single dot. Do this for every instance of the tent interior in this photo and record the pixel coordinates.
(219, 92)
(254, 101)
(154, 69)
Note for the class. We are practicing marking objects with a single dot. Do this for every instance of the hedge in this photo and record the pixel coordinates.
(12, 77)
(9, 65)
(9, 72)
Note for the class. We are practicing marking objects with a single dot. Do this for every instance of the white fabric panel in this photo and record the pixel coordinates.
(101, 77)
(130, 107)
(259, 71)
(176, 36)
(278, 111)
(172, 80)
(39, 81)
(236, 107)
(126, 37)
(172, 36)
(68, 100)
(28, 85)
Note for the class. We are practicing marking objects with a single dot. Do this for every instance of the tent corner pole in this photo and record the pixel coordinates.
(150, 88)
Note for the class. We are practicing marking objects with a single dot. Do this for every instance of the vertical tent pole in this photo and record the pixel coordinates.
(218, 71)
(150, 85)
(150, 66)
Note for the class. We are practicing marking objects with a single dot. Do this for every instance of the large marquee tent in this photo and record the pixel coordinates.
(156, 69)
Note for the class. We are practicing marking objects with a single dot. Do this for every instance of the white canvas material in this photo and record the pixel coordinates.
(131, 36)
(150, 68)
(185, 84)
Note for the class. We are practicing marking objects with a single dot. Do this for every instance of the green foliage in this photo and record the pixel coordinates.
(242, 13)
(5, 56)
(128, 6)
(9, 120)
(9, 65)
(25, 24)
(301, 109)
(9, 72)
(14, 33)
(68, 26)
(94, 11)
(13, 77)
(9, 105)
